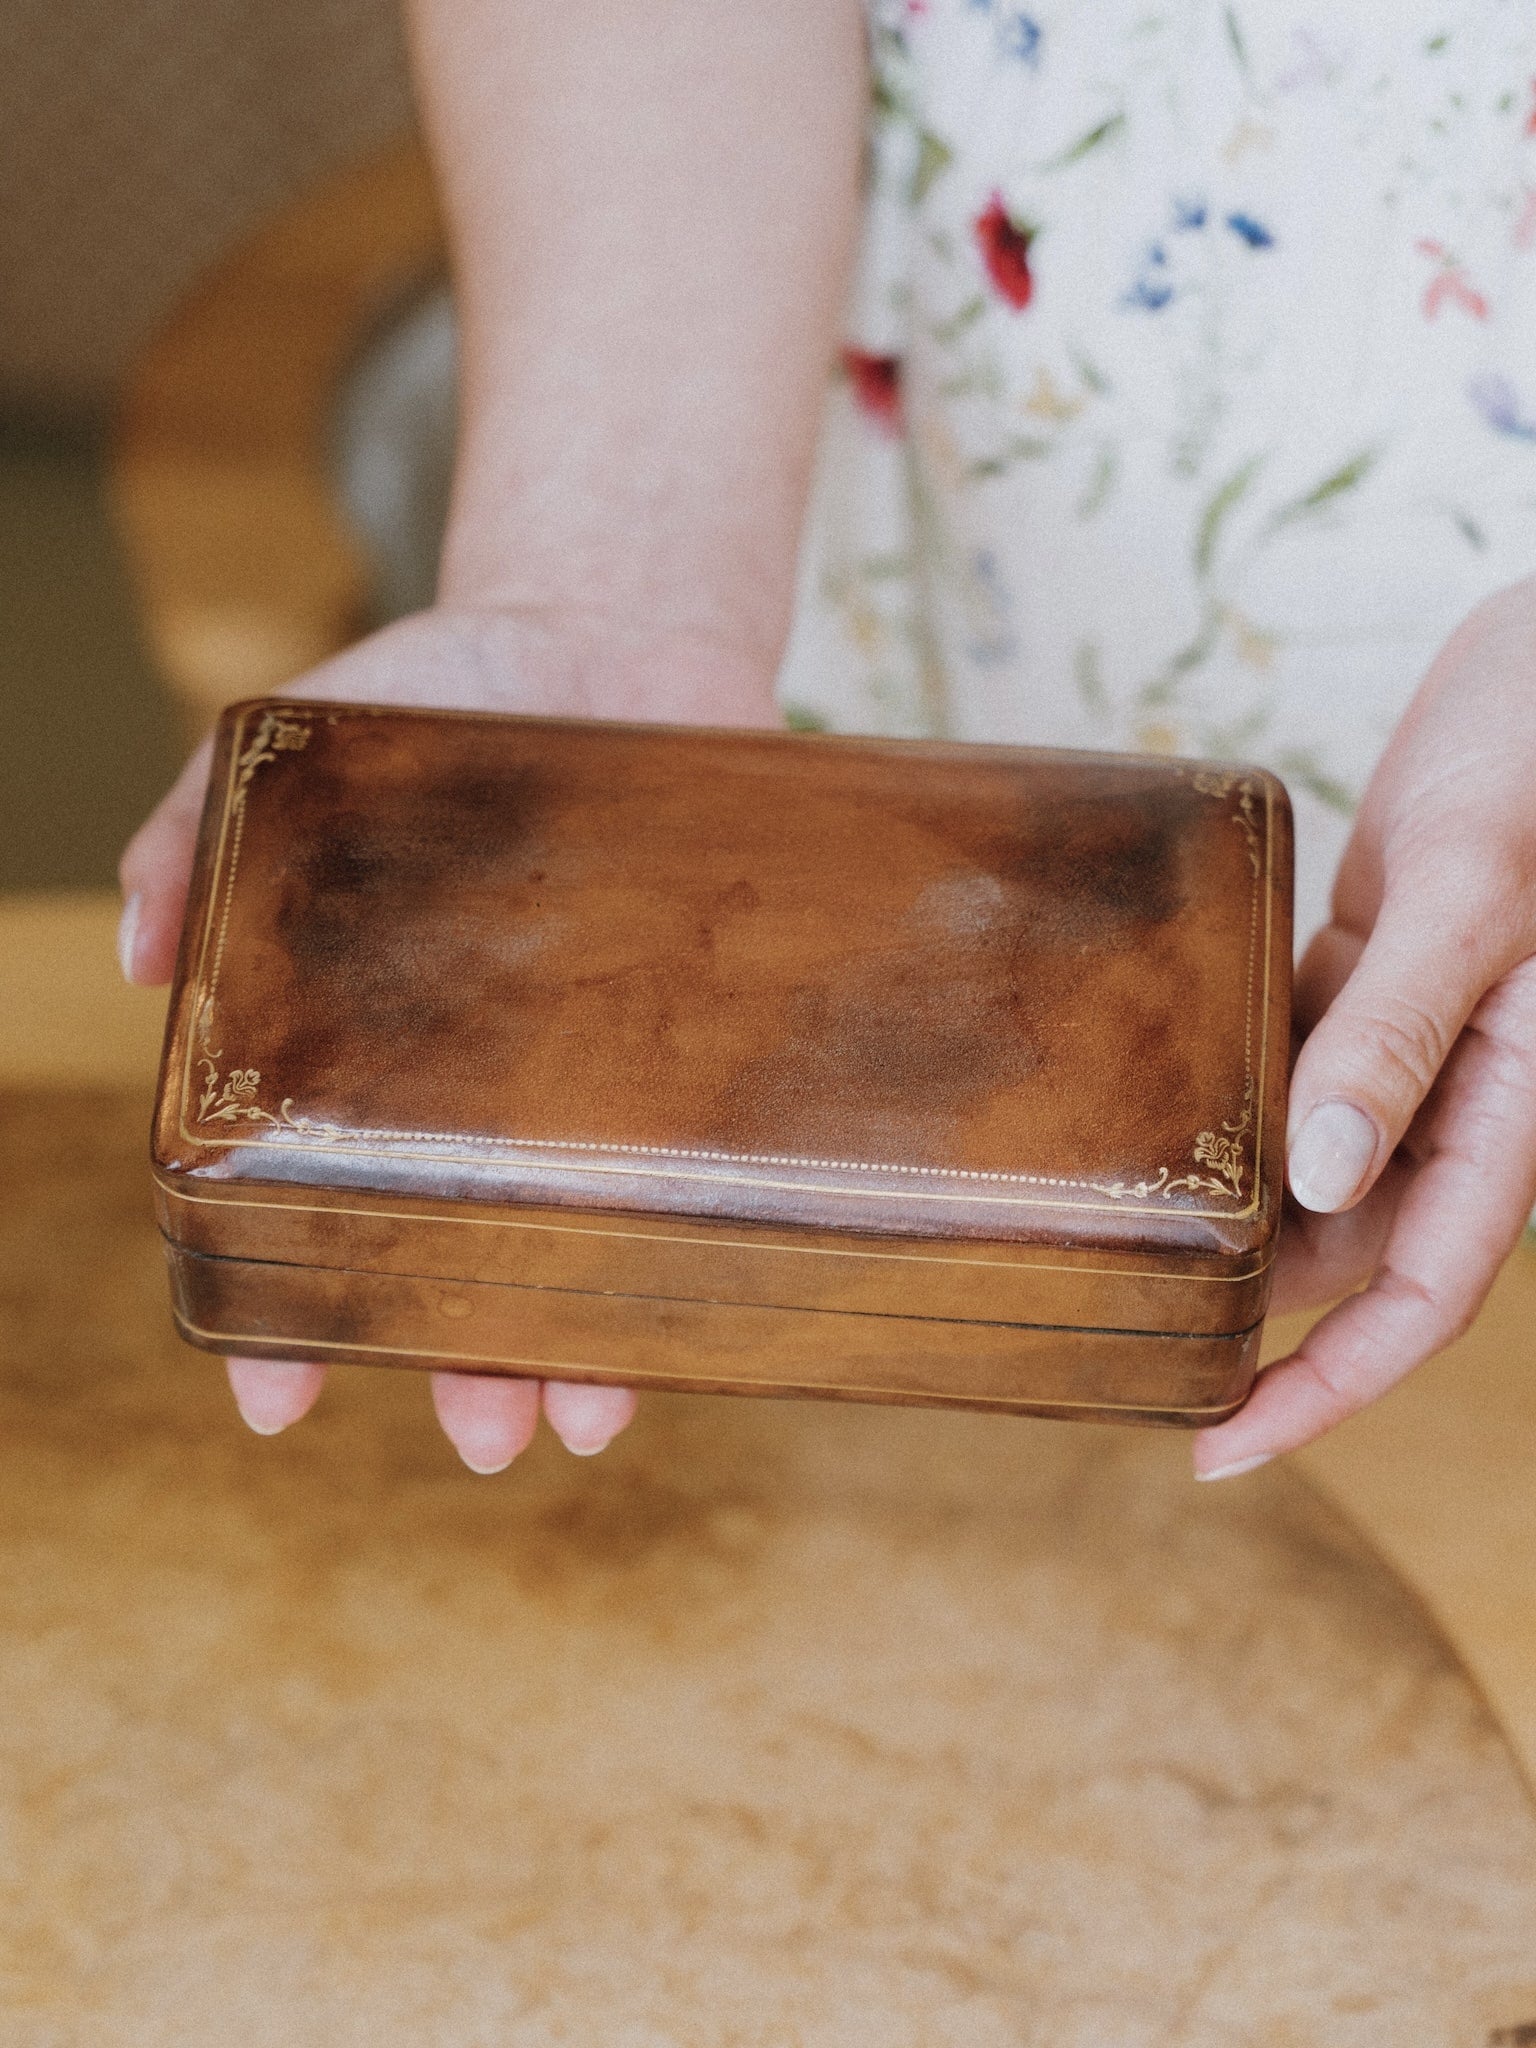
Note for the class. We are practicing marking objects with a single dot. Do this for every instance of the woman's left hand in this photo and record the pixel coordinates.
(1411, 1150)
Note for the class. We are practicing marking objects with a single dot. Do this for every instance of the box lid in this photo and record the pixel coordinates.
(968, 995)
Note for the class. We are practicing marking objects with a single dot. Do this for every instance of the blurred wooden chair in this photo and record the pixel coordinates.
(221, 474)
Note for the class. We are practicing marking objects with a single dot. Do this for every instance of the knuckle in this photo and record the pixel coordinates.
(1441, 1318)
(1505, 1020)
(1344, 1379)
(1404, 1043)
(1381, 1335)
(1484, 894)
(1507, 909)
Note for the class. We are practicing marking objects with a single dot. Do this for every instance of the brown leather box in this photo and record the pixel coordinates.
(743, 1062)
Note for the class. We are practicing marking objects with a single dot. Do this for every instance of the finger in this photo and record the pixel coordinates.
(1373, 1057)
(1322, 1258)
(487, 1419)
(587, 1419)
(271, 1393)
(155, 870)
(1460, 1216)
(1325, 967)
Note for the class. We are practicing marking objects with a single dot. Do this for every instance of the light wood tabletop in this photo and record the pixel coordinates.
(1440, 1477)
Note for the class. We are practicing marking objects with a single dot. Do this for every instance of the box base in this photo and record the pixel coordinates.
(261, 1309)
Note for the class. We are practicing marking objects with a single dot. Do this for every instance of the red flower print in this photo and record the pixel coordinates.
(1004, 243)
(1450, 285)
(876, 384)
(1530, 119)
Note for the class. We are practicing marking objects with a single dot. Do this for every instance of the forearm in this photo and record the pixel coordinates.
(652, 212)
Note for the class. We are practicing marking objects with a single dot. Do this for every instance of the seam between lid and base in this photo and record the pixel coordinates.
(793, 1308)
(175, 1191)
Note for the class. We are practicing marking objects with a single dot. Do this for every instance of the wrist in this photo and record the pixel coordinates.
(555, 657)
(639, 535)
(646, 604)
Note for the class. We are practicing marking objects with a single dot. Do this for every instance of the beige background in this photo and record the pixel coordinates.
(139, 141)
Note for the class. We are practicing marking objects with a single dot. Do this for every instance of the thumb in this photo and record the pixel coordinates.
(155, 871)
(1374, 1055)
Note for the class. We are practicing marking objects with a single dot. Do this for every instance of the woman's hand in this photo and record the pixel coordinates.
(1412, 1128)
(568, 665)
(652, 215)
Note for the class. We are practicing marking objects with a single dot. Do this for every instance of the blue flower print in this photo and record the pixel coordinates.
(1019, 35)
(991, 607)
(1496, 398)
(1153, 288)
(1252, 231)
(1156, 285)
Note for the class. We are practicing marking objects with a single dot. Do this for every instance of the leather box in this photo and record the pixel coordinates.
(738, 1062)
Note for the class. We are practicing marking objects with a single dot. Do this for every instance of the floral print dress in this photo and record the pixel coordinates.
(1189, 399)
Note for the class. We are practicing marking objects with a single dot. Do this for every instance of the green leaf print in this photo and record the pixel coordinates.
(888, 92)
(1092, 376)
(1228, 742)
(1304, 769)
(947, 332)
(1214, 517)
(1099, 486)
(889, 101)
(1348, 477)
(1086, 144)
(1158, 694)
(1236, 39)
(1027, 448)
(982, 378)
(799, 718)
(934, 158)
(1088, 674)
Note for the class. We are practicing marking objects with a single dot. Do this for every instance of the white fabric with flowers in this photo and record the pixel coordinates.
(1189, 399)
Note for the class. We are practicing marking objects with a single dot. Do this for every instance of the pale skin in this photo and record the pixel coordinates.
(653, 213)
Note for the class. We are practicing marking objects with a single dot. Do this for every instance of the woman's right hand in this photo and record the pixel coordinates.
(564, 665)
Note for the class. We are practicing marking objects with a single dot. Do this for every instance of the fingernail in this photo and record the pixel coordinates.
(127, 932)
(1237, 1469)
(1330, 1156)
(263, 1425)
(587, 1450)
(261, 1428)
(272, 1394)
(485, 1468)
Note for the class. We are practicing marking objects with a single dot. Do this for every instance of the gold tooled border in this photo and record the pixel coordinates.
(558, 1152)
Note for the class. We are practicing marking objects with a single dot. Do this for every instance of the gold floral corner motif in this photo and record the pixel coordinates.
(225, 1098)
(1220, 782)
(1222, 1151)
(231, 1098)
(278, 733)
